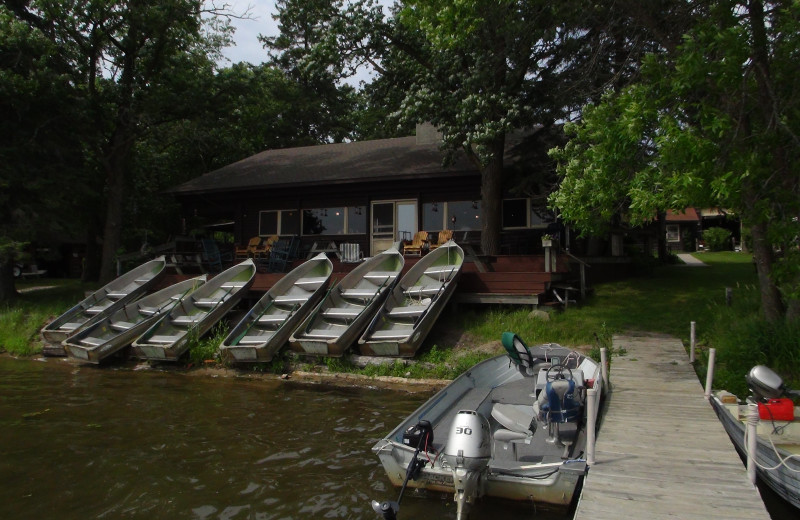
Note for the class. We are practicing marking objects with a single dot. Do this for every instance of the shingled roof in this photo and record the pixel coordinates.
(338, 163)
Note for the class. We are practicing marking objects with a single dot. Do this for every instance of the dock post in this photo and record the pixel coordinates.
(692, 340)
(752, 441)
(604, 369)
(591, 419)
(712, 354)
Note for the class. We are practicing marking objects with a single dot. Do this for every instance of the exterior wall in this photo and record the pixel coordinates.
(245, 209)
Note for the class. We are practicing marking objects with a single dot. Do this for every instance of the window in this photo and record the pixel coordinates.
(282, 222)
(433, 216)
(323, 221)
(515, 213)
(673, 233)
(335, 221)
(541, 216)
(357, 220)
(464, 215)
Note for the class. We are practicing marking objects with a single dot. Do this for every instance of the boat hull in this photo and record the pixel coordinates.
(414, 305)
(105, 301)
(302, 289)
(538, 472)
(783, 481)
(102, 339)
(386, 267)
(169, 338)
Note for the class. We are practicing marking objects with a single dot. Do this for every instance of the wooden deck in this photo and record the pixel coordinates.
(661, 452)
(502, 279)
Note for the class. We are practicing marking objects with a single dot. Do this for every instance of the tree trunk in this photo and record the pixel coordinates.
(8, 290)
(771, 303)
(116, 160)
(662, 237)
(115, 197)
(492, 198)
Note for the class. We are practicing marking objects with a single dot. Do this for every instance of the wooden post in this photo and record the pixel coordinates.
(548, 251)
(583, 281)
(604, 369)
(752, 441)
(712, 354)
(591, 421)
(728, 296)
(692, 340)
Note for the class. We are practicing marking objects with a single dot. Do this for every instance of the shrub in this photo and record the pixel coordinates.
(717, 239)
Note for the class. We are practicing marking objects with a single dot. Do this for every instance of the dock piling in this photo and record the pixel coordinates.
(712, 354)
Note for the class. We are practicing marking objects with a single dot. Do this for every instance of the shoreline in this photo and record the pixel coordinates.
(327, 378)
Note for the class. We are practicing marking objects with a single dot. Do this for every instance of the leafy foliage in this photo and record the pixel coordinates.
(717, 239)
(710, 123)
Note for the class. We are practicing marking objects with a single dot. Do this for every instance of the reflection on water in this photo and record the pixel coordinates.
(83, 442)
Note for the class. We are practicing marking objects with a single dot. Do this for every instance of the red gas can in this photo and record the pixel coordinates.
(776, 410)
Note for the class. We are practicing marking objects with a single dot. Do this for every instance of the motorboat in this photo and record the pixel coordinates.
(511, 427)
(777, 456)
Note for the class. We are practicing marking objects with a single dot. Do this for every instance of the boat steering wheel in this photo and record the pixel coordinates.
(558, 372)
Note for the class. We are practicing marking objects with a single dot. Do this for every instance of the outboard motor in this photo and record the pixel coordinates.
(764, 383)
(467, 453)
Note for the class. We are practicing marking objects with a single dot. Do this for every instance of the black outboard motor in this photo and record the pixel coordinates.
(764, 383)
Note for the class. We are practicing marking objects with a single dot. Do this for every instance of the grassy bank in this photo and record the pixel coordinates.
(664, 300)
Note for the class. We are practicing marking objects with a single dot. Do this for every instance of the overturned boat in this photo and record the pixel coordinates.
(511, 427)
(347, 309)
(103, 338)
(168, 338)
(777, 455)
(106, 300)
(413, 306)
(268, 325)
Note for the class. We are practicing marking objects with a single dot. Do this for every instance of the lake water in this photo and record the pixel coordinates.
(86, 442)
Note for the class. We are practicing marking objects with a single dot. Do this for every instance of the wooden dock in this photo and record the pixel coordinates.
(661, 452)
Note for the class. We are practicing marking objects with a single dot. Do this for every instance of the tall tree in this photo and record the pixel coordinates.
(40, 152)
(713, 121)
(307, 51)
(117, 56)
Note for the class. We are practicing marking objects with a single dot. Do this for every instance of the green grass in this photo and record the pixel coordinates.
(20, 323)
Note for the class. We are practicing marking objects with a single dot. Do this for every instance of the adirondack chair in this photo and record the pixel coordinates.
(248, 250)
(262, 250)
(443, 237)
(417, 245)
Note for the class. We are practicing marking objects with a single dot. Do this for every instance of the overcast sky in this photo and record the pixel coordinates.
(247, 47)
(260, 21)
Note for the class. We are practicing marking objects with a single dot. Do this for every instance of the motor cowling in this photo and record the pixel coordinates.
(764, 383)
(469, 442)
(467, 453)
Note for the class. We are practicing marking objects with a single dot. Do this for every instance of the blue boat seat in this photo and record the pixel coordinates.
(561, 405)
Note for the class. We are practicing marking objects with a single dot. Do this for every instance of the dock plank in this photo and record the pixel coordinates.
(661, 452)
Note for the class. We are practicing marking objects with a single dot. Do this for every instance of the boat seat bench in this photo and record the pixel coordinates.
(379, 277)
(408, 311)
(423, 290)
(359, 293)
(163, 339)
(90, 341)
(342, 312)
(69, 326)
(121, 325)
(273, 319)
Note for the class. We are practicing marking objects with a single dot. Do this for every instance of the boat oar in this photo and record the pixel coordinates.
(389, 509)
(318, 308)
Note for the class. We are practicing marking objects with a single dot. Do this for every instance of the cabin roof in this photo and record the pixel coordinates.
(687, 215)
(397, 159)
